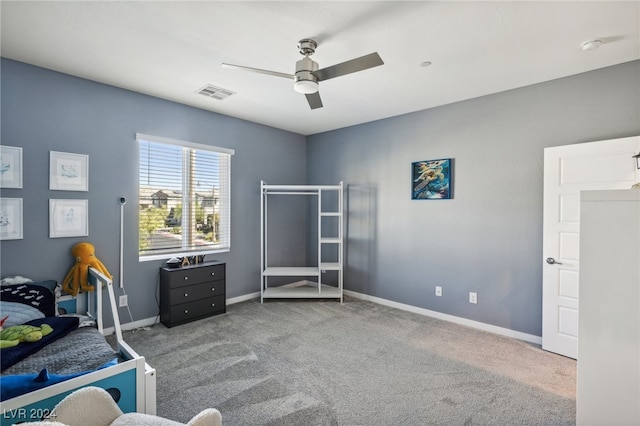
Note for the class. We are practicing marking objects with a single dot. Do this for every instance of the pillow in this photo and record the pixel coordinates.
(15, 280)
(50, 284)
(18, 313)
(26, 302)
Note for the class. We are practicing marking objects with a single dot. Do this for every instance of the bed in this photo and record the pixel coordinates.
(36, 376)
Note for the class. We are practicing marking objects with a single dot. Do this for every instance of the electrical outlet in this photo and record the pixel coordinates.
(123, 301)
(438, 290)
(473, 297)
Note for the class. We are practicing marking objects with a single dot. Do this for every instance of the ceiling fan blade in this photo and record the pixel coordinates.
(314, 100)
(354, 65)
(258, 70)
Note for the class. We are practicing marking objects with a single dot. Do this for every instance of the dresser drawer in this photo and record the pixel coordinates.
(197, 309)
(189, 276)
(194, 292)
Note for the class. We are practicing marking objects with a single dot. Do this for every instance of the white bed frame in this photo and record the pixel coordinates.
(134, 378)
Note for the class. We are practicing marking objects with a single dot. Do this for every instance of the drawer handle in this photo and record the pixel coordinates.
(186, 278)
(213, 289)
(186, 311)
(213, 273)
(213, 304)
(186, 295)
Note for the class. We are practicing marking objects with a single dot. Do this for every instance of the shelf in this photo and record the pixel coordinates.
(330, 266)
(291, 271)
(329, 228)
(332, 240)
(305, 291)
(300, 188)
(65, 297)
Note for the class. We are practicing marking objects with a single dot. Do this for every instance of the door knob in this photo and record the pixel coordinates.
(552, 261)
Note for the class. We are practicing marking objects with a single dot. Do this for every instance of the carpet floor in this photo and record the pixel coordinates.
(316, 362)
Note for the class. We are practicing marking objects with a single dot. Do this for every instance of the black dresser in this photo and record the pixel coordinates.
(192, 292)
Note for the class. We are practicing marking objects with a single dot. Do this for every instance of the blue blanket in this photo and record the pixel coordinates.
(61, 327)
(16, 385)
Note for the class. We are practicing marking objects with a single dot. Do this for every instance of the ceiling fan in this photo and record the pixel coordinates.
(308, 75)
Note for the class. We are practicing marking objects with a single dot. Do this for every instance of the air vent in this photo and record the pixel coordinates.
(215, 92)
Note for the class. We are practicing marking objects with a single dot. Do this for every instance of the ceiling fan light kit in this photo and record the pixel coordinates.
(305, 81)
(307, 75)
(305, 86)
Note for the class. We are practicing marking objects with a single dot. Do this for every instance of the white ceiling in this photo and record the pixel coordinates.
(173, 49)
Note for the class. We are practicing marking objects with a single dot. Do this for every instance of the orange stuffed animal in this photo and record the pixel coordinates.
(77, 278)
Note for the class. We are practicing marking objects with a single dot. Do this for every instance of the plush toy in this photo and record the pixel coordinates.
(12, 336)
(4, 344)
(77, 278)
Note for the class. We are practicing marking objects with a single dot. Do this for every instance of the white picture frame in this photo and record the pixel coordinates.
(11, 219)
(68, 218)
(10, 167)
(68, 171)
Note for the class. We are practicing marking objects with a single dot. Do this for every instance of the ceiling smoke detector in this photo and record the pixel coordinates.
(591, 45)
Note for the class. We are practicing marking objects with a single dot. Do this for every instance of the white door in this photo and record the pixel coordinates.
(568, 170)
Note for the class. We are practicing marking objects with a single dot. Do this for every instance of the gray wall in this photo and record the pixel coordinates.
(44, 110)
(488, 238)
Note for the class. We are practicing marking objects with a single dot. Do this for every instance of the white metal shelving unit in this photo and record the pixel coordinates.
(331, 221)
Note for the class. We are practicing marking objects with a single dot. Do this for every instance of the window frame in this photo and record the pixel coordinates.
(225, 194)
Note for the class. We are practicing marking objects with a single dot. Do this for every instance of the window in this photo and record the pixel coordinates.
(184, 198)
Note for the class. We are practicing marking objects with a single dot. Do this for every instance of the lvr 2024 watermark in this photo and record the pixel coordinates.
(28, 413)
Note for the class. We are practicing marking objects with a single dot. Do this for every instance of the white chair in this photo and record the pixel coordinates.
(95, 406)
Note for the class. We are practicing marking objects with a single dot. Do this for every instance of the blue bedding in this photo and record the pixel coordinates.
(16, 385)
(61, 327)
(73, 349)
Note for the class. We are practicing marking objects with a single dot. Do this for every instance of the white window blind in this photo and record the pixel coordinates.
(184, 198)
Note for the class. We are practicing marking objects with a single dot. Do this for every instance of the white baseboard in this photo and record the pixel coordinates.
(147, 322)
(243, 298)
(421, 311)
(451, 318)
(256, 295)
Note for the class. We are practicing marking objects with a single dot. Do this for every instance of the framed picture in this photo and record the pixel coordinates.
(10, 167)
(431, 179)
(10, 218)
(68, 172)
(68, 218)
